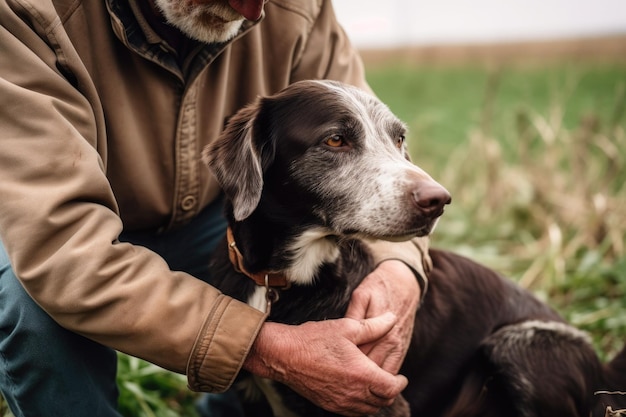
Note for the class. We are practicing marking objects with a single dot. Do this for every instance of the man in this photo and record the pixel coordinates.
(108, 216)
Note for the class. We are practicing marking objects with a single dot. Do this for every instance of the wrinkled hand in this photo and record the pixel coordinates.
(321, 361)
(390, 287)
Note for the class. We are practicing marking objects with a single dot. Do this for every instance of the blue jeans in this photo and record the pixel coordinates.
(48, 371)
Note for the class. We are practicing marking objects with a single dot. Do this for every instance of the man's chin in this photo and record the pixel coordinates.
(211, 24)
(217, 33)
(209, 29)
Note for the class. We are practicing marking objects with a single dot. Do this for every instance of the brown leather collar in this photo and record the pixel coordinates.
(264, 278)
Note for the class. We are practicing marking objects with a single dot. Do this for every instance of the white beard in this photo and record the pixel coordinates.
(211, 23)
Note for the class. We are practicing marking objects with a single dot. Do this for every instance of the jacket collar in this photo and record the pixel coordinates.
(134, 31)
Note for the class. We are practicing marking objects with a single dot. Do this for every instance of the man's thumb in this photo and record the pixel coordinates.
(372, 329)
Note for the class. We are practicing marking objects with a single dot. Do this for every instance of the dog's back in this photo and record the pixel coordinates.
(465, 305)
(527, 361)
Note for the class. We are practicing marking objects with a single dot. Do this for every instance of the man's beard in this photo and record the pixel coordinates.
(210, 23)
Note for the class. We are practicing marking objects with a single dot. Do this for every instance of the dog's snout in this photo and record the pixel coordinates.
(430, 198)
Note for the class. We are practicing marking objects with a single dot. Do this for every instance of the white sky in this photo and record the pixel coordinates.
(380, 23)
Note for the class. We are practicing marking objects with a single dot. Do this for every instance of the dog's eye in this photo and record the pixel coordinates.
(334, 141)
(400, 141)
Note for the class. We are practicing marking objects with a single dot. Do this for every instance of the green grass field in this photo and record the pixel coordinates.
(535, 158)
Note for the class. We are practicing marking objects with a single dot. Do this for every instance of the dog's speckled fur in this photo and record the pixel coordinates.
(481, 346)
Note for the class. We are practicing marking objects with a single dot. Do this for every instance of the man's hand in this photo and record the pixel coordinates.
(392, 287)
(321, 361)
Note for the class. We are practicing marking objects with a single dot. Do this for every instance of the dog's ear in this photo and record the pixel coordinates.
(236, 161)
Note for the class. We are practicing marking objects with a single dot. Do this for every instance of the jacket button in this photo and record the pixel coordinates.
(188, 203)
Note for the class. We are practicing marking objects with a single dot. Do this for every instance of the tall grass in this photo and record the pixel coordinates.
(535, 160)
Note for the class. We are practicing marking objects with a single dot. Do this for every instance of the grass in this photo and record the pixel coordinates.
(149, 391)
(534, 157)
(535, 160)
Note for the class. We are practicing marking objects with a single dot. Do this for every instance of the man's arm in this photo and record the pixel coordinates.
(60, 225)
(391, 287)
(398, 284)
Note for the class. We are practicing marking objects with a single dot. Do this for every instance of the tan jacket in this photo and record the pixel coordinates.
(101, 130)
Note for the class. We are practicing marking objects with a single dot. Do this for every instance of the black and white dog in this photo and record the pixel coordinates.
(313, 172)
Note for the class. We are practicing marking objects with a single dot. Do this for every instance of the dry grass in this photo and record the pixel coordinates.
(544, 200)
(597, 49)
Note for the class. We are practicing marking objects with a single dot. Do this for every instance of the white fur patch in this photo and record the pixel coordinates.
(309, 251)
(529, 327)
(258, 300)
(518, 336)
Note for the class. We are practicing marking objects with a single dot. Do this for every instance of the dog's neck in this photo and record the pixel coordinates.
(297, 257)
(309, 251)
(265, 278)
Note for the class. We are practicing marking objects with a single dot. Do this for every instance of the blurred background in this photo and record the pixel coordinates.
(518, 109)
(374, 24)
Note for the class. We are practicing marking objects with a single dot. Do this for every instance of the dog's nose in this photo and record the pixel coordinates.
(430, 198)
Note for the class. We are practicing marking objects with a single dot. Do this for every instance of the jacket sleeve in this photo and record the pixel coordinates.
(59, 222)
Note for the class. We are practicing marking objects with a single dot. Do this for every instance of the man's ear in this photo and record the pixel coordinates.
(236, 161)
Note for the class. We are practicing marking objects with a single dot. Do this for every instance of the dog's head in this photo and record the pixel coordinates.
(326, 153)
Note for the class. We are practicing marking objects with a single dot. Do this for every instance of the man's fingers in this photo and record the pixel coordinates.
(321, 361)
(387, 394)
(382, 393)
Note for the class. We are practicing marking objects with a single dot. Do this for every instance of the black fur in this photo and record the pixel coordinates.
(482, 346)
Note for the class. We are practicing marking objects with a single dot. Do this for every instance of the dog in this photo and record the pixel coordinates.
(310, 175)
